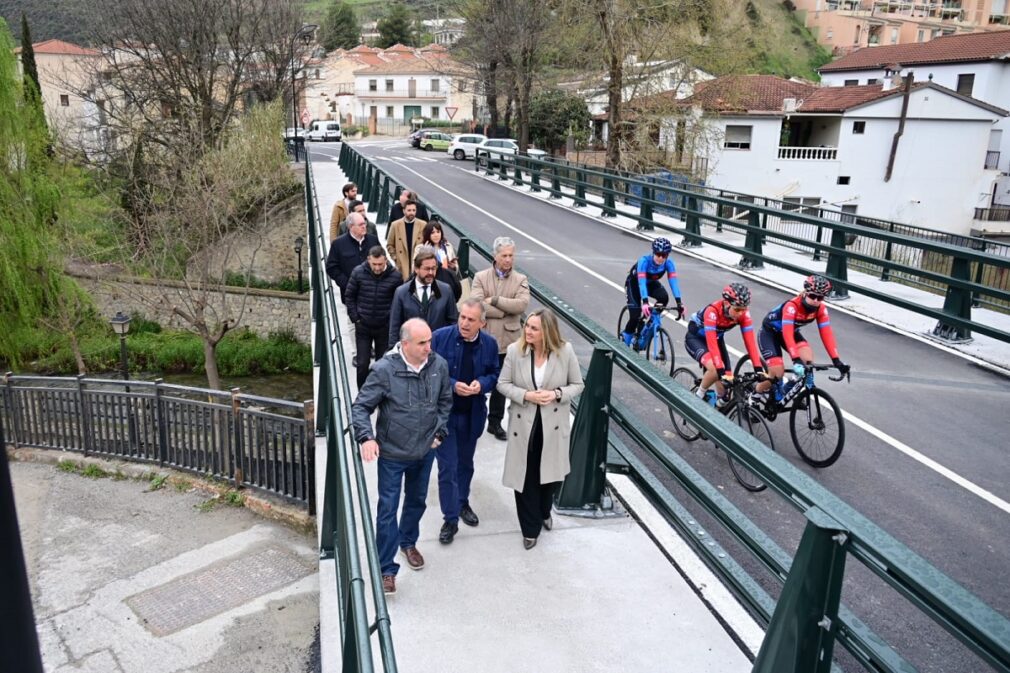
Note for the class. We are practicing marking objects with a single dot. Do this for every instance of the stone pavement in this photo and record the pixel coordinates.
(125, 580)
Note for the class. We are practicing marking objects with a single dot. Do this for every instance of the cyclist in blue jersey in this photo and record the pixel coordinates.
(643, 281)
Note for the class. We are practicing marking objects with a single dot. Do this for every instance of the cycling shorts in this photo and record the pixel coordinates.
(771, 344)
(697, 346)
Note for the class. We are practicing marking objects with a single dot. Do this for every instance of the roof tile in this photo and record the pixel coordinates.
(947, 49)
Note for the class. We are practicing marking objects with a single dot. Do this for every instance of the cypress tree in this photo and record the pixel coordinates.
(28, 66)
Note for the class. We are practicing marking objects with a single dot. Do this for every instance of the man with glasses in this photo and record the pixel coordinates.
(705, 339)
(780, 330)
(643, 282)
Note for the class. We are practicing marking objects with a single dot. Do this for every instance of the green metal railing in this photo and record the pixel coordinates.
(346, 509)
(968, 275)
(808, 617)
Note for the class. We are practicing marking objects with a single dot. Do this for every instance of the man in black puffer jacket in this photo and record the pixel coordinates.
(369, 297)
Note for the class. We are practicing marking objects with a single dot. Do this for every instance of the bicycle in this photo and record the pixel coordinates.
(739, 410)
(650, 337)
(815, 419)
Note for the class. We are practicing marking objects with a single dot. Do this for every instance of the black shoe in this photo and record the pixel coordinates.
(354, 361)
(448, 532)
(498, 431)
(467, 516)
(549, 523)
(529, 543)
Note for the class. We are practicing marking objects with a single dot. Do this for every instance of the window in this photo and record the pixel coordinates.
(373, 85)
(852, 82)
(389, 110)
(844, 179)
(965, 83)
(64, 100)
(873, 81)
(859, 127)
(434, 112)
(737, 138)
(831, 33)
(389, 85)
(894, 36)
(434, 85)
(920, 36)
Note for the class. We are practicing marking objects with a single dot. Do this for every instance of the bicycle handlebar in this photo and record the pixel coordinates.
(820, 368)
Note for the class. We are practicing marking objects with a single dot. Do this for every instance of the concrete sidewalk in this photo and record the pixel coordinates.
(593, 595)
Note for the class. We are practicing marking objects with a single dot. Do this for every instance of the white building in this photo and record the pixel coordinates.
(831, 146)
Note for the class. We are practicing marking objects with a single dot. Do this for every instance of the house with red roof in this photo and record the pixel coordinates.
(873, 150)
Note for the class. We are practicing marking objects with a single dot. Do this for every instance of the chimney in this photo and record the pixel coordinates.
(892, 77)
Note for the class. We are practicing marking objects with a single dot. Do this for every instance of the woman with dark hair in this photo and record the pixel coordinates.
(540, 376)
(433, 235)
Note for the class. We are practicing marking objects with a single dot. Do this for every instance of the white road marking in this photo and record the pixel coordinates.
(968, 485)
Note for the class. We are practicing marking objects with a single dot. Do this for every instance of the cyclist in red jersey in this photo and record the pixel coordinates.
(705, 343)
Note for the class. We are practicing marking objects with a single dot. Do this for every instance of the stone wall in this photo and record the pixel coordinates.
(261, 311)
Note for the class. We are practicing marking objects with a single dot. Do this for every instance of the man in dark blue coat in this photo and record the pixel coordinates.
(349, 251)
(472, 355)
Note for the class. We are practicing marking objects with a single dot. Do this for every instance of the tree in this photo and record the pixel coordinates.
(396, 27)
(554, 115)
(340, 29)
(28, 66)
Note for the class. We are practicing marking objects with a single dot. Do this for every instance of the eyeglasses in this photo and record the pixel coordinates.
(815, 297)
(661, 255)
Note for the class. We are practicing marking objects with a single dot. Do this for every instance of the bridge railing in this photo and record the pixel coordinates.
(254, 442)
(347, 532)
(969, 271)
(808, 617)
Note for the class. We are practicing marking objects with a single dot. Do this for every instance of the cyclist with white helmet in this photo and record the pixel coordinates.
(643, 281)
(705, 338)
(780, 330)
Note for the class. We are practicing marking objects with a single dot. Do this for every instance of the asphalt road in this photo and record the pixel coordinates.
(947, 409)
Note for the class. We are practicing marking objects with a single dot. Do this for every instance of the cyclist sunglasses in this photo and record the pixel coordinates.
(815, 297)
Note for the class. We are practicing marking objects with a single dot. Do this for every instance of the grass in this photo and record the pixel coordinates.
(158, 482)
(92, 471)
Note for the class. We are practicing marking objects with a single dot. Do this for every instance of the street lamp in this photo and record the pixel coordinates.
(121, 325)
(299, 243)
(304, 33)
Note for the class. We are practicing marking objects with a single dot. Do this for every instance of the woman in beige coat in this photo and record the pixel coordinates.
(540, 376)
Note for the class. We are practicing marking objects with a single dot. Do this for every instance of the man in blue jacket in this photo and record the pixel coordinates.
(410, 388)
(472, 355)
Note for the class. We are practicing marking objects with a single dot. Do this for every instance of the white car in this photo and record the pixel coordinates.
(463, 145)
(324, 130)
(505, 147)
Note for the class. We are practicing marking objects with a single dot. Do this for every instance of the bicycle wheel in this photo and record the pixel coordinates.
(756, 426)
(743, 365)
(687, 431)
(622, 319)
(817, 428)
(660, 349)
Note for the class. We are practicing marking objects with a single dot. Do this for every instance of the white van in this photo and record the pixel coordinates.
(324, 130)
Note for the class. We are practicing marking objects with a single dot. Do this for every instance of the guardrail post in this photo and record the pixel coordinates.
(238, 451)
(463, 257)
(517, 175)
(383, 209)
(555, 182)
(817, 237)
(161, 422)
(84, 422)
(327, 531)
(837, 268)
(309, 468)
(366, 187)
(396, 197)
(645, 222)
(488, 169)
(373, 193)
(580, 189)
(322, 393)
(502, 170)
(957, 303)
(885, 273)
(535, 172)
(609, 207)
(692, 224)
(342, 155)
(980, 246)
(801, 634)
(752, 244)
(13, 413)
(582, 489)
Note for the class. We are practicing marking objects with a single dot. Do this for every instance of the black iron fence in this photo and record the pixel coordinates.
(255, 442)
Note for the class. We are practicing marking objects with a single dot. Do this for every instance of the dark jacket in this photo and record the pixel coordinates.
(369, 297)
(448, 342)
(413, 407)
(396, 212)
(407, 304)
(346, 254)
(448, 276)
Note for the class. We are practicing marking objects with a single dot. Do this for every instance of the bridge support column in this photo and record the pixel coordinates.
(692, 228)
(752, 245)
(801, 634)
(838, 266)
(957, 303)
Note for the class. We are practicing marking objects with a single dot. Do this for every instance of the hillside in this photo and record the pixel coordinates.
(782, 43)
(67, 20)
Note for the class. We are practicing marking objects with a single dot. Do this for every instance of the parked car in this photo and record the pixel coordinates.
(414, 139)
(434, 140)
(505, 147)
(325, 131)
(292, 133)
(462, 146)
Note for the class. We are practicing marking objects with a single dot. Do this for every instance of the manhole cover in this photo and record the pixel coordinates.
(218, 588)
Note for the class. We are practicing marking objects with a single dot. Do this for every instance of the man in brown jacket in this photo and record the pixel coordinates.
(506, 294)
(404, 235)
(341, 210)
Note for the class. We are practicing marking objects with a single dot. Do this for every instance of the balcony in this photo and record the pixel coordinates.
(999, 19)
(999, 214)
(408, 93)
(809, 153)
(991, 160)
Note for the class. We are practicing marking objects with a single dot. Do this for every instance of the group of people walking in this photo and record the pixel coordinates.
(448, 355)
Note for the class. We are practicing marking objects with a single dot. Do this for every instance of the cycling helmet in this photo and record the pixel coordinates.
(737, 294)
(817, 285)
(661, 246)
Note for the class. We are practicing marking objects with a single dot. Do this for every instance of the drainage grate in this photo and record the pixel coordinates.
(218, 588)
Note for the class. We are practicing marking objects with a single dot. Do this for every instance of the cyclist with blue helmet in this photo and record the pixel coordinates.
(643, 281)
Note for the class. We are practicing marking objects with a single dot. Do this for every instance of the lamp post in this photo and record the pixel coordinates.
(305, 35)
(121, 325)
(299, 243)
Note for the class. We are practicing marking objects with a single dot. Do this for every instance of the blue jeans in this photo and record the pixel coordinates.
(455, 463)
(412, 476)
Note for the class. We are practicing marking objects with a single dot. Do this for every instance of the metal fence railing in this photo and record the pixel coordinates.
(254, 442)
(807, 620)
